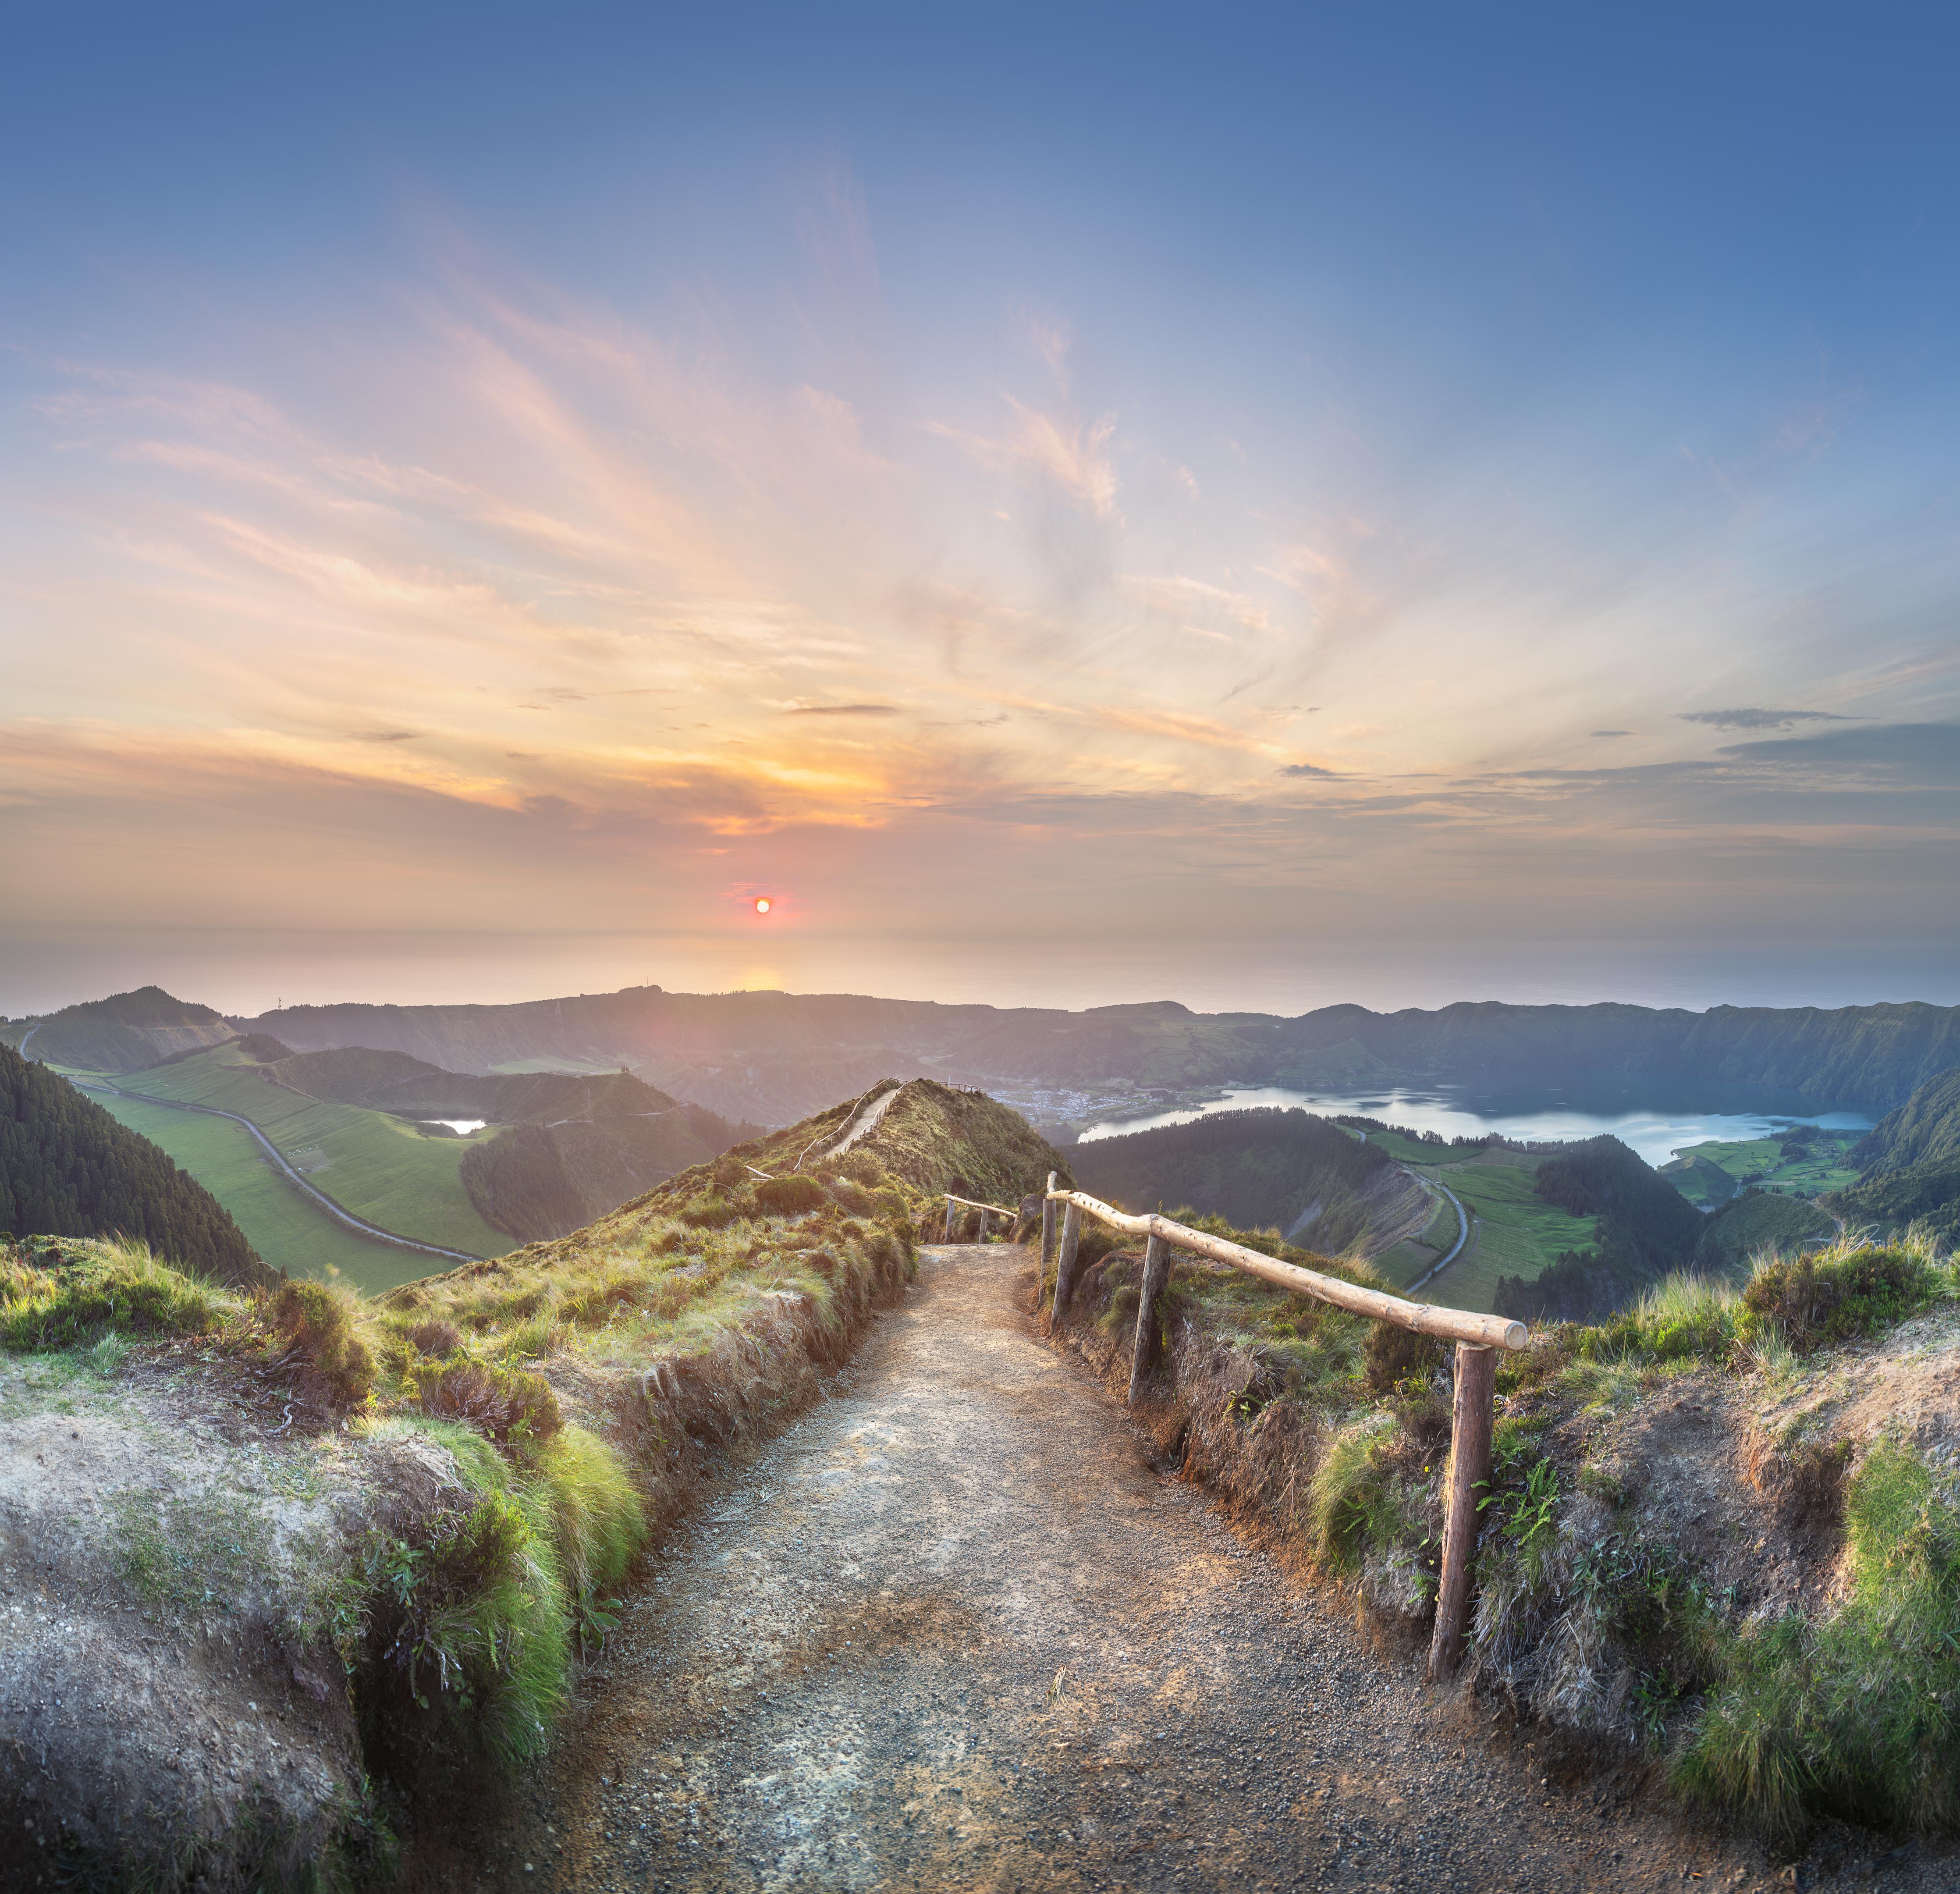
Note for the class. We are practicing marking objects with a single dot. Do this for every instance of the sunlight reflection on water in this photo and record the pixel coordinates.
(1656, 1135)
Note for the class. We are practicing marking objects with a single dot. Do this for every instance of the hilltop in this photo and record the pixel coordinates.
(123, 1034)
(67, 1169)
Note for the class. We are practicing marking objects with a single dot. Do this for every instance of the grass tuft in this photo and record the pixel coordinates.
(1857, 1714)
(57, 1294)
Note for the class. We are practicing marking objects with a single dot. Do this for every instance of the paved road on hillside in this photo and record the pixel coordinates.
(952, 1632)
(288, 1171)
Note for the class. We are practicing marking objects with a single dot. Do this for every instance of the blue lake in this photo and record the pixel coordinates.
(1656, 1134)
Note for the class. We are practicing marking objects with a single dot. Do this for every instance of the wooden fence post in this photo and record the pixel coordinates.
(1064, 1269)
(1468, 1482)
(949, 1217)
(1148, 1345)
(1048, 1244)
(981, 1215)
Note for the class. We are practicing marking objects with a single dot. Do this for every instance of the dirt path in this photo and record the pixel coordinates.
(952, 1631)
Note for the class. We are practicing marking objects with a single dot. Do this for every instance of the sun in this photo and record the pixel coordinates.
(762, 904)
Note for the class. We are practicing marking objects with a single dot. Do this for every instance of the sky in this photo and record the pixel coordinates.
(1258, 507)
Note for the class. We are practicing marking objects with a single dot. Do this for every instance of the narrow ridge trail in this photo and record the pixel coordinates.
(951, 1630)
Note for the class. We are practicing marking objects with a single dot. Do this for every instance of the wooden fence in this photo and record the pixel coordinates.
(1477, 1338)
(985, 1210)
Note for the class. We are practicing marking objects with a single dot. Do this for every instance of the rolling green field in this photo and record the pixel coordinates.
(290, 1232)
(1761, 1160)
(1513, 1232)
(370, 1163)
(1410, 1259)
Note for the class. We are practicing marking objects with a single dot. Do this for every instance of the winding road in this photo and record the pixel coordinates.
(1462, 1231)
(292, 1176)
(952, 1630)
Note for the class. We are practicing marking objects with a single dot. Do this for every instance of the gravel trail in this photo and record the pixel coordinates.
(953, 1630)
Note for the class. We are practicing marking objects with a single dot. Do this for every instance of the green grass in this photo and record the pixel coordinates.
(287, 1230)
(1761, 1160)
(377, 1166)
(1856, 1714)
(1516, 1234)
(63, 1292)
(1415, 1256)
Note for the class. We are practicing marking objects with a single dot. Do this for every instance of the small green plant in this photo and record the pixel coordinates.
(315, 1324)
(1853, 1288)
(1349, 1503)
(506, 1403)
(791, 1195)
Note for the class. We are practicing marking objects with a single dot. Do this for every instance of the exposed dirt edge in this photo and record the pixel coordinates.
(681, 1424)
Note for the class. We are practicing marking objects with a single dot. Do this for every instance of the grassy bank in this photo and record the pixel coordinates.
(425, 1504)
(1723, 1537)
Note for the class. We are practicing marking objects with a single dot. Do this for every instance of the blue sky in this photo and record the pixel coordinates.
(1467, 497)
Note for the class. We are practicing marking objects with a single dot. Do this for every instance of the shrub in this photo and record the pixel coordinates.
(789, 1195)
(851, 1197)
(598, 1523)
(316, 1323)
(466, 1614)
(1851, 1289)
(505, 1403)
(1857, 1715)
(1396, 1353)
(436, 1338)
(710, 1210)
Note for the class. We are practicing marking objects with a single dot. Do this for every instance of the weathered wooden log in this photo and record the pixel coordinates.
(1149, 1344)
(1047, 1243)
(1064, 1269)
(1452, 1324)
(1469, 1481)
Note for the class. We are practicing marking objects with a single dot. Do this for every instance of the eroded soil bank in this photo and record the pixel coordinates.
(952, 1630)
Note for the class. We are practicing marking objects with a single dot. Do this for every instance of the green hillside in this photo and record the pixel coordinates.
(1804, 1160)
(1255, 1168)
(1912, 1165)
(1758, 1219)
(291, 1233)
(1513, 1232)
(67, 1169)
(374, 1166)
(123, 1034)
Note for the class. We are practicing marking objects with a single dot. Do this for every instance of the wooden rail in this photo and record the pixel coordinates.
(986, 1210)
(1478, 1339)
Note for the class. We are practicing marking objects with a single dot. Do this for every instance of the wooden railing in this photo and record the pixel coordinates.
(985, 1210)
(1479, 1337)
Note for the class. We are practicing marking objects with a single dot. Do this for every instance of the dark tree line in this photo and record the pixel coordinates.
(68, 1169)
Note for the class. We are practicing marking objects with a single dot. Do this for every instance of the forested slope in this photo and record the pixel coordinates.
(1644, 1230)
(67, 1169)
(1256, 1169)
(1911, 1165)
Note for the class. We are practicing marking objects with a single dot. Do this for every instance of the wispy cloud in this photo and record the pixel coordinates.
(1756, 719)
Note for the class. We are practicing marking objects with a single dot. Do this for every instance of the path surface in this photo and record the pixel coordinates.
(292, 1176)
(952, 1632)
